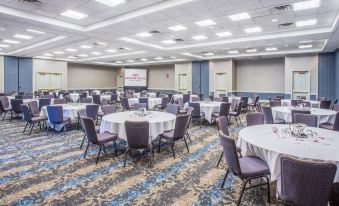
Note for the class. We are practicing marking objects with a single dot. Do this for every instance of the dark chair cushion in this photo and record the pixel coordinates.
(38, 119)
(326, 125)
(253, 166)
(168, 134)
(106, 137)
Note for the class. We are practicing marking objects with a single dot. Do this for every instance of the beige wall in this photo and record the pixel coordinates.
(183, 69)
(2, 74)
(161, 77)
(43, 65)
(221, 67)
(301, 63)
(84, 76)
(261, 75)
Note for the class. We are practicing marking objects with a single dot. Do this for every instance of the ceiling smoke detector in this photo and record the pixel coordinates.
(280, 9)
(286, 25)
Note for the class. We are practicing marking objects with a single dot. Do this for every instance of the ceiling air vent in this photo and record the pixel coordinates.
(34, 2)
(286, 25)
(178, 40)
(154, 32)
(280, 9)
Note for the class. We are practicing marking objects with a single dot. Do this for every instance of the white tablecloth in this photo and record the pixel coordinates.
(208, 108)
(70, 110)
(151, 101)
(177, 96)
(102, 97)
(287, 102)
(260, 141)
(323, 115)
(158, 122)
(74, 97)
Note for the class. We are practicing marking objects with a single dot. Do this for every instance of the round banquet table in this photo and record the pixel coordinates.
(151, 101)
(177, 96)
(287, 102)
(262, 142)
(69, 110)
(324, 115)
(208, 107)
(158, 122)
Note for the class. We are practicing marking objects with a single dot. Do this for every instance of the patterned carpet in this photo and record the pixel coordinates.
(51, 170)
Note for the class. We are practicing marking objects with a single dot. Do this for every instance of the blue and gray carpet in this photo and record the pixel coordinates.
(51, 170)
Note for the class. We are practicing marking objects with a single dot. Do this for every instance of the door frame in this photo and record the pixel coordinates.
(308, 96)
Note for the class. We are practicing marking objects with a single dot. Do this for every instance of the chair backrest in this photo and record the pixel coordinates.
(96, 98)
(181, 126)
(230, 153)
(245, 101)
(181, 103)
(234, 104)
(124, 102)
(164, 102)
(137, 134)
(336, 123)
(114, 97)
(321, 99)
(225, 99)
(49, 96)
(170, 98)
(336, 107)
(222, 95)
(137, 106)
(89, 127)
(254, 119)
(55, 114)
(16, 105)
(224, 109)
(306, 183)
(92, 111)
(295, 111)
(144, 100)
(240, 105)
(186, 98)
(109, 109)
(173, 109)
(4, 102)
(325, 104)
(223, 125)
(275, 103)
(27, 96)
(26, 113)
(308, 119)
(44, 102)
(295, 102)
(34, 108)
(86, 100)
(195, 99)
(18, 96)
(256, 100)
(196, 109)
(217, 99)
(59, 101)
(268, 116)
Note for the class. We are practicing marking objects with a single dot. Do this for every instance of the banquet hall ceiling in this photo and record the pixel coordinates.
(141, 31)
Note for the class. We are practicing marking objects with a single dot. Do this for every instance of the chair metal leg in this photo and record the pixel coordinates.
(96, 162)
(268, 190)
(82, 142)
(86, 149)
(104, 148)
(115, 148)
(125, 157)
(242, 192)
(150, 158)
(223, 182)
(188, 151)
(172, 147)
(31, 129)
(189, 136)
(159, 145)
(25, 128)
(220, 158)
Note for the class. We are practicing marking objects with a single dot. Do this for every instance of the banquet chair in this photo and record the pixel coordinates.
(330, 126)
(144, 100)
(32, 121)
(86, 100)
(295, 111)
(60, 101)
(244, 101)
(176, 134)
(275, 103)
(16, 108)
(173, 109)
(211, 97)
(163, 105)
(186, 98)
(304, 182)
(18, 96)
(217, 99)
(138, 138)
(236, 114)
(254, 119)
(56, 117)
(246, 168)
(4, 107)
(189, 111)
(254, 105)
(170, 98)
(222, 95)
(295, 102)
(197, 114)
(97, 139)
(49, 96)
(308, 119)
(96, 98)
(223, 111)
(319, 99)
(181, 103)
(195, 99)
(109, 109)
(124, 103)
(83, 113)
(222, 123)
(44, 102)
(325, 104)
(225, 99)
(34, 108)
(268, 116)
(234, 104)
(114, 99)
(336, 107)
(137, 106)
(92, 111)
(27, 96)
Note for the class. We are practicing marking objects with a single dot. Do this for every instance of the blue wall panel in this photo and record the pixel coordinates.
(196, 77)
(11, 74)
(336, 73)
(25, 75)
(326, 77)
(200, 77)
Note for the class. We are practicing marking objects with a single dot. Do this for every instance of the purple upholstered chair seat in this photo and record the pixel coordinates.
(168, 134)
(106, 137)
(97, 128)
(38, 119)
(326, 125)
(253, 166)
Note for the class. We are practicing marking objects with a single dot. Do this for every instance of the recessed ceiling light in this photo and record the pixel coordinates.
(11, 41)
(207, 22)
(101, 43)
(4, 45)
(251, 50)
(305, 46)
(21, 36)
(270, 44)
(82, 55)
(274, 20)
(48, 55)
(209, 54)
(58, 52)
(85, 46)
(2, 29)
(72, 57)
(177, 28)
(111, 3)
(253, 30)
(224, 34)
(143, 59)
(305, 41)
(306, 23)
(0, 49)
(127, 48)
(130, 61)
(144, 34)
(240, 16)
(96, 53)
(199, 37)
(35, 31)
(71, 50)
(74, 14)
(233, 52)
(158, 58)
(271, 49)
(173, 57)
(302, 5)
(170, 41)
(286, 45)
(110, 51)
(119, 62)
